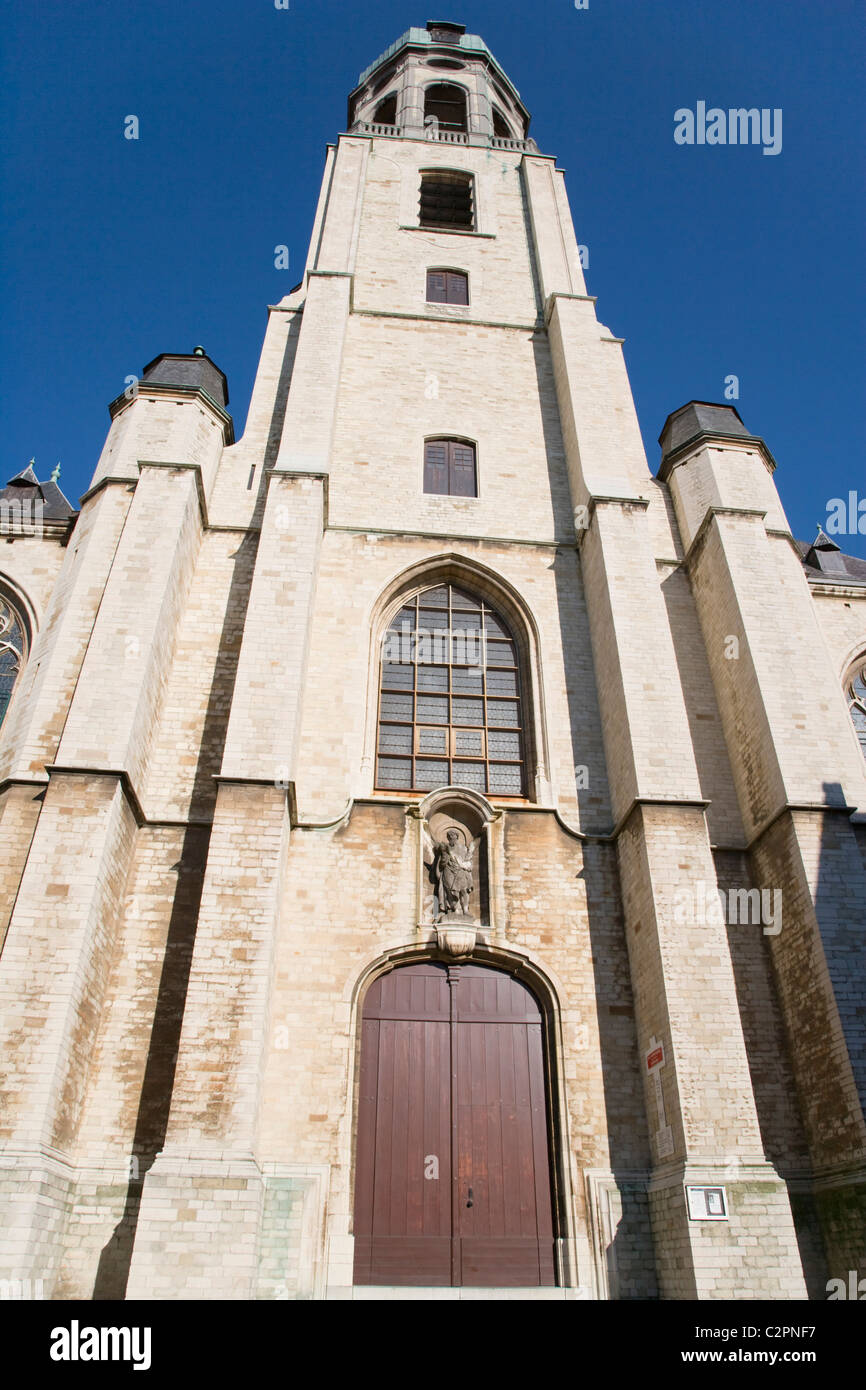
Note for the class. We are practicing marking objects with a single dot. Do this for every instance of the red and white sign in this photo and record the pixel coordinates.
(655, 1057)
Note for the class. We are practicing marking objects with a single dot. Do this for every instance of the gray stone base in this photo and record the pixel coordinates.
(228, 1228)
(753, 1254)
(35, 1200)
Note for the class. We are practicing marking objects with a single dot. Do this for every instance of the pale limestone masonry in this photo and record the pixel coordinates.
(200, 878)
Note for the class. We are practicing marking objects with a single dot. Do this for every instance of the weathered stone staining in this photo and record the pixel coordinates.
(224, 821)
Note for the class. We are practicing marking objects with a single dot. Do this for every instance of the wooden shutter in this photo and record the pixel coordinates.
(447, 287)
(462, 471)
(457, 287)
(437, 286)
(436, 466)
(449, 468)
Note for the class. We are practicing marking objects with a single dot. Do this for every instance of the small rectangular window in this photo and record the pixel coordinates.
(447, 201)
(447, 287)
(449, 468)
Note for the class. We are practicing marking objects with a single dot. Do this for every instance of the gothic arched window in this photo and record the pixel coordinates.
(450, 708)
(13, 649)
(857, 701)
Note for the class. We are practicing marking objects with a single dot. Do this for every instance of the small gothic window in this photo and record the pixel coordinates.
(446, 200)
(449, 468)
(857, 702)
(386, 111)
(450, 711)
(447, 287)
(501, 127)
(446, 104)
(12, 652)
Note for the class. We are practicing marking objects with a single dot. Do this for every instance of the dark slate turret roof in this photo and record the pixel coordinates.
(189, 369)
(699, 420)
(695, 421)
(25, 486)
(824, 561)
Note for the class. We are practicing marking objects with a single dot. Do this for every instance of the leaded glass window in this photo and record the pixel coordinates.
(450, 710)
(857, 701)
(12, 648)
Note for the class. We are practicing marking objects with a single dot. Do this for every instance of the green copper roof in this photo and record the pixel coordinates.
(470, 42)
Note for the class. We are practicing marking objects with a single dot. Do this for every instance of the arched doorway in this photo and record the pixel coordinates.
(452, 1174)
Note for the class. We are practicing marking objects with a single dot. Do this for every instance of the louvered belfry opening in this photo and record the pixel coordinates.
(447, 103)
(447, 200)
(450, 709)
(447, 287)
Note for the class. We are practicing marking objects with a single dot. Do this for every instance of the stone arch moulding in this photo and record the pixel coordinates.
(469, 574)
(11, 589)
(853, 659)
(854, 666)
(16, 611)
(574, 1262)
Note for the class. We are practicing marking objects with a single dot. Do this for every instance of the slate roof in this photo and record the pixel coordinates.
(824, 562)
(189, 369)
(25, 486)
(698, 420)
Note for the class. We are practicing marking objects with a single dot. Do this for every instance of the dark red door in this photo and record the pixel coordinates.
(453, 1169)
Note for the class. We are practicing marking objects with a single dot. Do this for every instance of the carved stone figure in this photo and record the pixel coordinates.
(454, 875)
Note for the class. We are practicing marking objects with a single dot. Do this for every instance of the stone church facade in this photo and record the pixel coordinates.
(434, 843)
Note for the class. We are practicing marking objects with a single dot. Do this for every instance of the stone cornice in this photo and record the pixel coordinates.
(790, 807)
(666, 802)
(700, 535)
(737, 442)
(119, 774)
(161, 388)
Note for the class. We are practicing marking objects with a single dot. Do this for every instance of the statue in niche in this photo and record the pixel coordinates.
(454, 875)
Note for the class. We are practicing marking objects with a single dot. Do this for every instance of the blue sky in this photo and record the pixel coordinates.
(708, 260)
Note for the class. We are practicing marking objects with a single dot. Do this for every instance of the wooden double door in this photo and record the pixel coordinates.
(452, 1178)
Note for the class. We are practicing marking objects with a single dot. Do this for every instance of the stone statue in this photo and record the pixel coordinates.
(454, 875)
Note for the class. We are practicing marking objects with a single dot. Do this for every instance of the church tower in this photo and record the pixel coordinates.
(419, 874)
